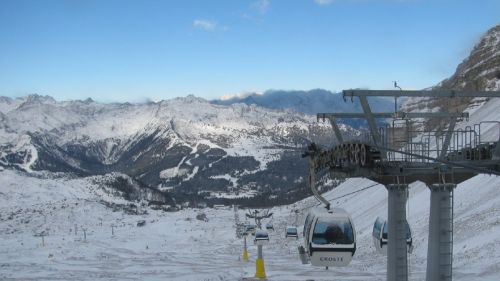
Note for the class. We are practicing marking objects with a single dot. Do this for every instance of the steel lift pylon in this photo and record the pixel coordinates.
(450, 165)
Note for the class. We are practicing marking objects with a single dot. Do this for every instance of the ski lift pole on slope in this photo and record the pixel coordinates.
(260, 271)
(261, 238)
(245, 251)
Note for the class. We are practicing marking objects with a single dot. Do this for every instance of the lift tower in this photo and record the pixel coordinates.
(260, 271)
(401, 153)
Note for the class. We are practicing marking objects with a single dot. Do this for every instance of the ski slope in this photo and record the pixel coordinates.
(177, 246)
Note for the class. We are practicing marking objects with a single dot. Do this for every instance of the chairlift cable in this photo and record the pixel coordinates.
(345, 195)
(362, 189)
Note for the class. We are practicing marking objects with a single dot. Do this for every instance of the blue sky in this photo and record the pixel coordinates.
(134, 50)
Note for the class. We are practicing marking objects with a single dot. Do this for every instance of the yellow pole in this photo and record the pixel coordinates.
(245, 251)
(260, 271)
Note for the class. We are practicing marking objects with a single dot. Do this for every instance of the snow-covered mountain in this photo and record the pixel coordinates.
(178, 246)
(480, 71)
(188, 144)
(74, 166)
(309, 102)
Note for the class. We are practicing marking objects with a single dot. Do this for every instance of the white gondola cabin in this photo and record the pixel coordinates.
(379, 235)
(269, 226)
(329, 237)
(261, 237)
(250, 229)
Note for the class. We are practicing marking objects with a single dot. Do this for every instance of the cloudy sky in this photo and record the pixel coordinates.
(132, 50)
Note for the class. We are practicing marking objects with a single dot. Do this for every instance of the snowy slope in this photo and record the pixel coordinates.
(177, 246)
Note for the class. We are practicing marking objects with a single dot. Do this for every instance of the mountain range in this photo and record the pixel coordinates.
(184, 146)
(193, 149)
(309, 102)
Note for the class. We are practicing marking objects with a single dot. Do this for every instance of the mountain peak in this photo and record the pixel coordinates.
(190, 99)
(36, 98)
(480, 71)
(88, 100)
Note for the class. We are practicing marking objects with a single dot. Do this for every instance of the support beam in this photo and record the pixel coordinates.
(435, 94)
(245, 249)
(371, 120)
(397, 115)
(354, 115)
(447, 138)
(336, 129)
(397, 262)
(440, 246)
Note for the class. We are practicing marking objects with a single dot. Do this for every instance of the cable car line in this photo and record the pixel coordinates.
(345, 195)
(354, 192)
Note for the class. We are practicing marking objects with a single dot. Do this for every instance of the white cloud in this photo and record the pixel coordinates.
(204, 24)
(240, 95)
(262, 6)
(324, 2)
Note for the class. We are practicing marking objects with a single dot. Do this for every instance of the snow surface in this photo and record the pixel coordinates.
(177, 246)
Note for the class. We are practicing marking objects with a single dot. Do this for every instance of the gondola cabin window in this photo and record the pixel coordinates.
(408, 231)
(332, 231)
(291, 231)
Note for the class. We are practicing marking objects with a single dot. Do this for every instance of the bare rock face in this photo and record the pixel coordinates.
(480, 71)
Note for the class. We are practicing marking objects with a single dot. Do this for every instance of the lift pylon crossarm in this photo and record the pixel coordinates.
(404, 151)
(435, 94)
(258, 217)
(396, 115)
(371, 120)
(336, 129)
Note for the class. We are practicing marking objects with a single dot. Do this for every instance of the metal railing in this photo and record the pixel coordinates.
(467, 143)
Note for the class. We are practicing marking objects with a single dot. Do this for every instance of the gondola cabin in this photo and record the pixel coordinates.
(380, 236)
(291, 233)
(261, 237)
(250, 229)
(269, 226)
(329, 237)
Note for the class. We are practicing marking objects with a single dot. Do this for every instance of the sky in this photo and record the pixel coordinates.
(137, 50)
